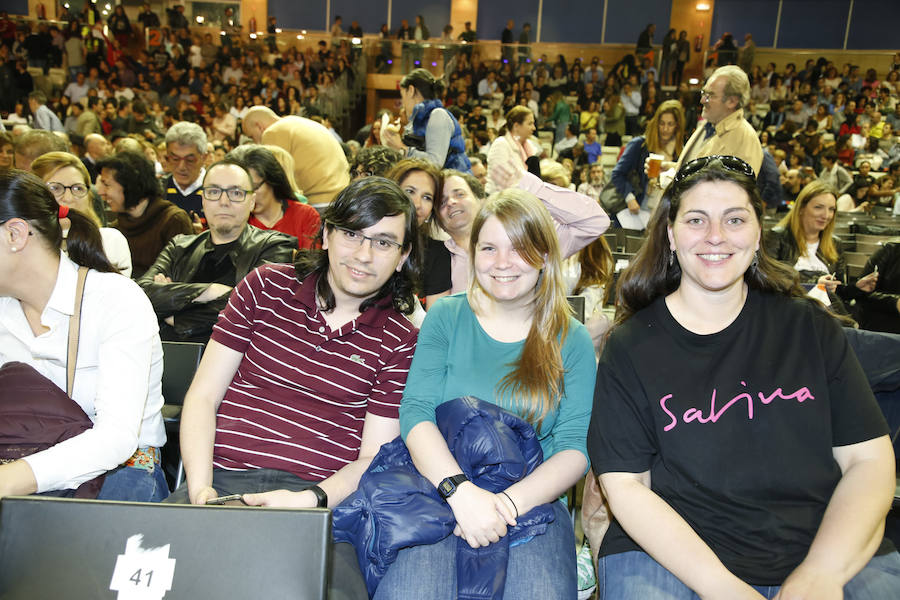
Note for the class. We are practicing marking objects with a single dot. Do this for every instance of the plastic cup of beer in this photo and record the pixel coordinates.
(654, 165)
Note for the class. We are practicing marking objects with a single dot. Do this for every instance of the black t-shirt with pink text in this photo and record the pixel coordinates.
(736, 428)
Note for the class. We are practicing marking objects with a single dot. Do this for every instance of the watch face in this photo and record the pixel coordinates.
(446, 488)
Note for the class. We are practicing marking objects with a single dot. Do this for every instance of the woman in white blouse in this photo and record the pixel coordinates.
(515, 145)
(119, 357)
(69, 182)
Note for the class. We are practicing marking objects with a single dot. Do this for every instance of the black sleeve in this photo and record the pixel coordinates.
(621, 437)
(169, 298)
(436, 270)
(839, 268)
(773, 241)
(855, 414)
(196, 321)
(884, 298)
(279, 248)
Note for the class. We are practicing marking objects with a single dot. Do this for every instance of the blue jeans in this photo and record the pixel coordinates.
(253, 481)
(543, 567)
(133, 484)
(636, 576)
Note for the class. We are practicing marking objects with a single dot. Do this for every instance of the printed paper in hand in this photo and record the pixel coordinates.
(629, 220)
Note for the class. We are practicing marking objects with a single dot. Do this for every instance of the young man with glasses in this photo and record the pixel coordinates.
(186, 147)
(191, 280)
(725, 131)
(301, 382)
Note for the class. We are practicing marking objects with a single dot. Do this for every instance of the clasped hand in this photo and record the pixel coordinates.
(481, 517)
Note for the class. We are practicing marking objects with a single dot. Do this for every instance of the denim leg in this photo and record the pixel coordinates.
(879, 580)
(544, 567)
(245, 482)
(636, 576)
(560, 132)
(421, 572)
(767, 591)
(134, 484)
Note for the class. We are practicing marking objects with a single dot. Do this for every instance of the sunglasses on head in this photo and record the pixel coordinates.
(731, 163)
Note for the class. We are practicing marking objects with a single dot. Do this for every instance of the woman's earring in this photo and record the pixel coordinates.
(755, 262)
(671, 258)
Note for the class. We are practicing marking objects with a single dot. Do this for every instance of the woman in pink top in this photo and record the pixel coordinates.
(515, 145)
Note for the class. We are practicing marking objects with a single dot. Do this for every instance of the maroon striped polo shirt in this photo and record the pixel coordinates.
(301, 393)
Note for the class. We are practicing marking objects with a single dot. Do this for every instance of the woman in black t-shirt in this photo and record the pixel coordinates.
(734, 467)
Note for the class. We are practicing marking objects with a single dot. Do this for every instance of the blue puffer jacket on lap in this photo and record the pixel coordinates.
(394, 507)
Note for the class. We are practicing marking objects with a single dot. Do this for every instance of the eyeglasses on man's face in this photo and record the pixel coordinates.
(235, 194)
(189, 160)
(355, 239)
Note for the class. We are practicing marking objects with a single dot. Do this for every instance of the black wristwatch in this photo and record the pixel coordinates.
(321, 496)
(448, 486)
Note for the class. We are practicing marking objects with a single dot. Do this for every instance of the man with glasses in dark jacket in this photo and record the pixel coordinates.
(191, 280)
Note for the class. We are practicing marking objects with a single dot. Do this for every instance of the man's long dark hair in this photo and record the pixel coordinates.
(362, 204)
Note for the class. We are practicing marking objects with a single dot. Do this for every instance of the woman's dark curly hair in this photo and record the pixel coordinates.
(362, 204)
(135, 173)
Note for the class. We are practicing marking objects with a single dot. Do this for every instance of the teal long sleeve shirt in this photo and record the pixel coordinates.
(456, 357)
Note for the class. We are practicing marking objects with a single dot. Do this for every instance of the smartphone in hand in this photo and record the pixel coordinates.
(233, 498)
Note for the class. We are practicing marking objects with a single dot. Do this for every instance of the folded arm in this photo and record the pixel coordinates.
(853, 525)
(169, 297)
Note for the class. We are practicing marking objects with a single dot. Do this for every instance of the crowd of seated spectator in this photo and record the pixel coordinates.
(825, 119)
(130, 90)
(152, 128)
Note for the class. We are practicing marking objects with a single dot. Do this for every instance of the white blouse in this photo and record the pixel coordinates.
(117, 377)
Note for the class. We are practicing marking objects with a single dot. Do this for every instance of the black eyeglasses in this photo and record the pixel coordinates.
(235, 195)
(732, 163)
(79, 190)
(355, 239)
